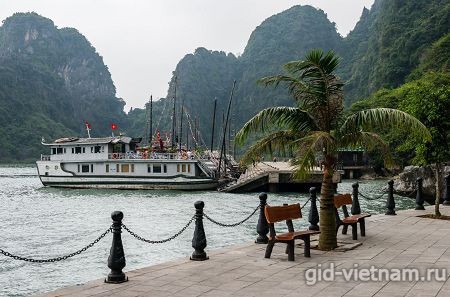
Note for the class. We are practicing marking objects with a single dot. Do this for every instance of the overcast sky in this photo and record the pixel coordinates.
(141, 41)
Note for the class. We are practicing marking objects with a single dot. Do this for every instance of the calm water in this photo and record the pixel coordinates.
(45, 222)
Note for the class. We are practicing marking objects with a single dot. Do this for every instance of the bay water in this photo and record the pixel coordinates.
(41, 222)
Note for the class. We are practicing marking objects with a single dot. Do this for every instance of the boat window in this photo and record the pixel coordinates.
(78, 167)
(107, 168)
(73, 150)
(157, 168)
(53, 150)
(178, 167)
(97, 149)
(92, 167)
(103, 148)
(59, 150)
(165, 168)
(92, 149)
(189, 167)
(78, 150)
(183, 168)
(125, 168)
(84, 150)
(84, 168)
(132, 167)
(117, 168)
(149, 168)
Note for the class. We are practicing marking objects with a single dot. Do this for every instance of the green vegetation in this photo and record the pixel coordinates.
(51, 81)
(317, 126)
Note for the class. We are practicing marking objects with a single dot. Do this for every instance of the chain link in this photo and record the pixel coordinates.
(372, 198)
(231, 225)
(57, 259)
(307, 201)
(159, 241)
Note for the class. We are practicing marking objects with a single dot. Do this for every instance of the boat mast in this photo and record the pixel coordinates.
(226, 124)
(213, 124)
(151, 124)
(181, 122)
(174, 119)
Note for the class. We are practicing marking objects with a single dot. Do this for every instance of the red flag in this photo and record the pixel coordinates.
(87, 124)
(114, 126)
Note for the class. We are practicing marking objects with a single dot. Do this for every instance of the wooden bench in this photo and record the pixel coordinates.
(343, 201)
(286, 213)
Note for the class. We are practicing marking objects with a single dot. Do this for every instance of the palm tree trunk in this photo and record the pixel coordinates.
(327, 239)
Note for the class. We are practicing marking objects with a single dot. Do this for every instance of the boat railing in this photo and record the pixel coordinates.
(144, 156)
(45, 157)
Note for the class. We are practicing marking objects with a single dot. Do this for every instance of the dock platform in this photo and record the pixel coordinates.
(275, 177)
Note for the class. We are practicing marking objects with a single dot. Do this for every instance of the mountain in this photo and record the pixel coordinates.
(52, 81)
(206, 75)
(388, 43)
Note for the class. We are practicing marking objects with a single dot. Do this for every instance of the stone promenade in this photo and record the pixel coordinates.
(392, 242)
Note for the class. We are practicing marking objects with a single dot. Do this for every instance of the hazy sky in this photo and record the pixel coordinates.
(141, 41)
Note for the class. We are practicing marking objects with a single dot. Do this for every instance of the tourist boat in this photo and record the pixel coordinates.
(119, 163)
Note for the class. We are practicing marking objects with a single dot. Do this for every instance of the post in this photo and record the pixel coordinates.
(263, 227)
(390, 203)
(447, 190)
(419, 195)
(356, 209)
(313, 216)
(116, 259)
(199, 239)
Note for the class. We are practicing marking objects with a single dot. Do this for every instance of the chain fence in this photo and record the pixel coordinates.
(372, 198)
(231, 225)
(159, 241)
(56, 259)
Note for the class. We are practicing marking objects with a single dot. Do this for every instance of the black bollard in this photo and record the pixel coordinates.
(447, 190)
(263, 227)
(390, 203)
(199, 239)
(116, 259)
(419, 195)
(313, 216)
(356, 209)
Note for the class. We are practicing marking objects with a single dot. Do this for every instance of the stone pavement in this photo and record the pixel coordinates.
(392, 242)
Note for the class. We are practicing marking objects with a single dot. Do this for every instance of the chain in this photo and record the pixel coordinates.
(231, 225)
(57, 259)
(411, 194)
(158, 241)
(372, 198)
(306, 202)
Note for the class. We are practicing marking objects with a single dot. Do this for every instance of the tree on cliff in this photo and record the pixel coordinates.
(317, 127)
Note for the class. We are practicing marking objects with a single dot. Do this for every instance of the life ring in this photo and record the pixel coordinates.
(115, 155)
(144, 155)
(184, 156)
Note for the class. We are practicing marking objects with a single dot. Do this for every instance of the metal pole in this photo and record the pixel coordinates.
(151, 124)
(356, 209)
(390, 203)
(313, 216)
(199, 239)
(213, 124)
(263, 227)
(226, 124)
(174, 118)
(447, 190)
(116, 259)
(419, 195)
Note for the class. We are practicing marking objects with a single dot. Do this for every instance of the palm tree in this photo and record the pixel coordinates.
(317, 126)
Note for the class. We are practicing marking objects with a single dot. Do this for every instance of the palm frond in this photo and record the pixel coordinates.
(308, 147)
(378, 118)
(287, 117)
(369, 141)
(280, 141)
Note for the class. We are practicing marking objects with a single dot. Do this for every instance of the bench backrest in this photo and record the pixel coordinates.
(282, 213)
(344, 199)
